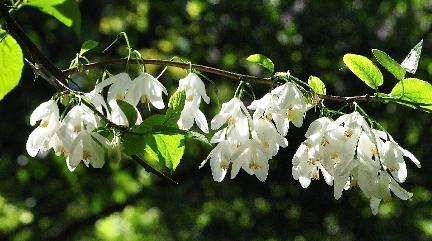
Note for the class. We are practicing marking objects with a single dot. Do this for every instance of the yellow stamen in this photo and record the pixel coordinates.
(268, 117)
(119, 96)
(374, 150)
(348, 132)
(231, 121)
(224, 164)
(265, 144)
(189, 98)
(144, 99)
(44, 123)
(334, 155)
(392, 168)
(254, 165)
(315, 175)
(324, 142)
(77, 129)
(86, 155)
(311, 161)
(290, 114)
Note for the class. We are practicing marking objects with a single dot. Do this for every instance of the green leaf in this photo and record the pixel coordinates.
(363, 68)
(11, 64)
(317, 85)
(66, 11)
(263, 61)
(129, 111)
(414, 90)
(87, 46)
(175, 107)
(389, 64)
(166, 149)
(410, 63)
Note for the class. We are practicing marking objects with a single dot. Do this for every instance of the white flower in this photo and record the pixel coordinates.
(190, 114)
(48, 114)
(306, 166)
(194, 88)
(220, 159)
(252, 158)
(97, 100)
(270, 139)
(120, 83)
(265, 107)
(195, 91)
(86, 148)
(237, 117)
(79, 119)
(292, 106)
(146, 89)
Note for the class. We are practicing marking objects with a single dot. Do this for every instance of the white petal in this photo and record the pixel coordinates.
(218, 136)
(201, 121)
(374, 205)
(304, 181)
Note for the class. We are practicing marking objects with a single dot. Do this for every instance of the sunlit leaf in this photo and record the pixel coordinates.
(166, 149)
(262, 60)
(363, 68)
(175, 106)
(410, 63)
(66, 11)
(11, 64)
(317, 85)
(414, 90)
(389, 64)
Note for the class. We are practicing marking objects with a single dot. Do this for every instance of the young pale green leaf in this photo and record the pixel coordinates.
(414, 90)
(389, 64)
(129, 111)
(262, 60)
(317, 85)
(175, 107)
(410, 63)
(11, 64)
(363, 68)
(87, 46)
(65, 11)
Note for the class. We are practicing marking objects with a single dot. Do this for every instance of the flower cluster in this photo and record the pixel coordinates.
(249, 142)
(73, 136)
(349, 153)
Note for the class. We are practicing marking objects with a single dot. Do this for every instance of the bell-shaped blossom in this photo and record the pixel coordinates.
(220, 160)
(119, 85)
(88, 150)
(236, 116)
(48, 115)
(79, 119)
(307, 166)
(192, 114)
(252, 158)
(292, 106)
(97, 100)
(270, 139)
(195, 91)
(146, 89)
(392, 157)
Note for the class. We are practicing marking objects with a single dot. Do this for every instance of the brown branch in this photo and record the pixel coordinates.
(203, 68)
(349, 99)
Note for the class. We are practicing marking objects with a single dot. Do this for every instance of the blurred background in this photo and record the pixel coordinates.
(41, 200)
